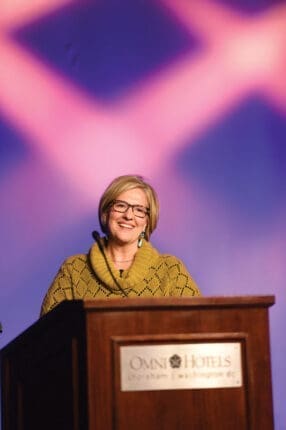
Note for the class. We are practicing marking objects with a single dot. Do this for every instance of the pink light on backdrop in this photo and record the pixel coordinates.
(15, 12)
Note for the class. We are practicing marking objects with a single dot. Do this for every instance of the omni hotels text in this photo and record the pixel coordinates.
(138, 363)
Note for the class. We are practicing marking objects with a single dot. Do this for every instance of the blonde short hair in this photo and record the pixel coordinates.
(122, 184)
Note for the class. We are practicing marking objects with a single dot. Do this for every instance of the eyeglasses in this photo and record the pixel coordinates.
(122, 207)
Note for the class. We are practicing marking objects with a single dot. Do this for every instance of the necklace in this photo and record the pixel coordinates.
(122, 261)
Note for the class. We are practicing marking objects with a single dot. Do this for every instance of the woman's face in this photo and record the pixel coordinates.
(125, 228)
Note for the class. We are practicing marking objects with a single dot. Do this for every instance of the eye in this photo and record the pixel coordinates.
(120, 205)
(140, 209)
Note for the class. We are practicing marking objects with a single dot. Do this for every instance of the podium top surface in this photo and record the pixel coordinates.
(184, 302)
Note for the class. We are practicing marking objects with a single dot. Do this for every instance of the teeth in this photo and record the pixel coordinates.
(126, 225)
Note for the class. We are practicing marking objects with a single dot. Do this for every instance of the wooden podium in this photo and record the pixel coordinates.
(142, 364)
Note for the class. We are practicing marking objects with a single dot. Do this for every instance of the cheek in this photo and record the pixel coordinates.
(111, 219)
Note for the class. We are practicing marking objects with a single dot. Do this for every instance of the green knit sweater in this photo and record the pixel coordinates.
(88, 277)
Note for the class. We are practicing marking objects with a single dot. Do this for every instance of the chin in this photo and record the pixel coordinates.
(126, 240)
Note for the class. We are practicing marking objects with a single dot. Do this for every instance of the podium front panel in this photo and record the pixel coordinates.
(207, 408)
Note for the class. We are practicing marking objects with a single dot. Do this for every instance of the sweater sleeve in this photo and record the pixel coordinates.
(181, 282)
(60, 289)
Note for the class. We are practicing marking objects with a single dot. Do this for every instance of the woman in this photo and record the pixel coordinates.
(124, 263)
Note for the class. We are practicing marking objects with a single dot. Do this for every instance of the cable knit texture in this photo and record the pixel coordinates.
(88, 277)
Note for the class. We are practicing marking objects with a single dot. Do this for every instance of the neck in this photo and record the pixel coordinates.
(122, 261)
(121, 256)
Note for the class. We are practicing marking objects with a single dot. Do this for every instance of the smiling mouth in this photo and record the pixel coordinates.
(128, 226)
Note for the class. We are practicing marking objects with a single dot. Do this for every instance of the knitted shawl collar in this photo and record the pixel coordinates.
(145, 257)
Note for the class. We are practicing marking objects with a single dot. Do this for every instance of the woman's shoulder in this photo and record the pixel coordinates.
(76, 261)
(172, 259)
(166, 258)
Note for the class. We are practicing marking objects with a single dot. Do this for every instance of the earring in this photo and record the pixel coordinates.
(140, 239)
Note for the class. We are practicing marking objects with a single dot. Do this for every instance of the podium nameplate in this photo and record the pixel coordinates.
(181, 366)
